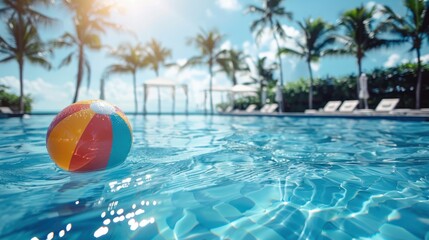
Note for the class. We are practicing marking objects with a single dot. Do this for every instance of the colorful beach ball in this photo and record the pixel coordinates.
(89, 136)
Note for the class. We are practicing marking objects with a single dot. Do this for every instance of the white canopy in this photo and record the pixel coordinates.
(243, 89)
(162, 82)
(219, 89)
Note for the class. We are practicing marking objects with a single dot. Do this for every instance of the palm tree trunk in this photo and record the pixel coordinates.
(310, 93)
(20, 48)
(359, 61)
(102, 97)
(21, 85)
(211, 84)
(281, 103)
(159, 93)
(419, 78)
(135, 92)
(79, 72)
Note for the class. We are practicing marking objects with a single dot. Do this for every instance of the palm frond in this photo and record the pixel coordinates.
(38, 17)
(93, 41)
(118, 69)
(7, 59)
(290, 51)
(66, 40)
(67, 60)
(193, 61)
(337, 52)
(279, 29)
(35, 59)
(254, 9)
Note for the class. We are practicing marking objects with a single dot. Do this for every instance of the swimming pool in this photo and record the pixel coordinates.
(200, 177)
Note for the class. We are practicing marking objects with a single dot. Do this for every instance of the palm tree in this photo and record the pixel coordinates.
(270, 13)
(208, 44)
(24, 11)
(413, 27)
(361, 35)
(24, 44)
(264, 75)
(131, 59)
(90, 20)
(156, 55)
(21, 14)
(232, 62)
(317, 38)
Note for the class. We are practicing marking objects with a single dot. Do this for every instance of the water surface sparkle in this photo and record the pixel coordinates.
(202, 177)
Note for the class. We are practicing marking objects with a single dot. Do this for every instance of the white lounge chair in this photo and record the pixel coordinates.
(6, 110)
(272, 108)
(251, 108)
(349, 106)
(386, 105)
(265, 107)
(331, 106)
(229, 109)
(269, 108)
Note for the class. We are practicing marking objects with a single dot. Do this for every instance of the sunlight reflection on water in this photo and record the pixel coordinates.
(225, 177)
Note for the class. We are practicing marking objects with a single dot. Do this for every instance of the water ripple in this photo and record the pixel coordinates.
(225, 178)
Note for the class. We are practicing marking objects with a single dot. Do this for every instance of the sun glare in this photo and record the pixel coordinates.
(123, 6)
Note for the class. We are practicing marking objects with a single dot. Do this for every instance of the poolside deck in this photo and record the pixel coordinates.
(416, 116)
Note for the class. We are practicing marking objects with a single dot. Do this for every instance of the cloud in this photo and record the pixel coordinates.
(46, 96)
(378, 9)
(315, 66)
(424, 58)
(392, 60)
(55, 97)
(227, 45)
(230, 5)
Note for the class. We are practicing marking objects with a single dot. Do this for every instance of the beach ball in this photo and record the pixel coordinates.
(88, 136)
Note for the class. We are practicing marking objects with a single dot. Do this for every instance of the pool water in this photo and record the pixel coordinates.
(200, 177)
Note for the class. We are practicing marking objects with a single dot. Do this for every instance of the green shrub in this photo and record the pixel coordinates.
(396, 82)
(12, 100)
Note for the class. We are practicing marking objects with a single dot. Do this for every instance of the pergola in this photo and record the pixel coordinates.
(236, 89)
(219, 89)
(163, 83)
(244, 90)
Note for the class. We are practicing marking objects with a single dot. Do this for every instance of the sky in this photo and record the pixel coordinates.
(172, 22)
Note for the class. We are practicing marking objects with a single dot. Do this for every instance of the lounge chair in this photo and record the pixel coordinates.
(348, 106)
(251, 108)
(269, 108)
(330, 106)
(272, 108)
(386, 105)
(6, 110)
(227, 110)
(265, 107)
